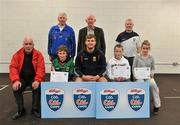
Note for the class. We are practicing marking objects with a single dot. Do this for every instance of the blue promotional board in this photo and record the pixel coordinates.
(92, 99)
(67, 100)
(122, 100)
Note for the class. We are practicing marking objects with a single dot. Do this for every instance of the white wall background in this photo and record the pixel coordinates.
(155, 20)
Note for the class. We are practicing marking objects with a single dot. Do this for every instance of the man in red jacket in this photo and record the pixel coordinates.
(27, 68)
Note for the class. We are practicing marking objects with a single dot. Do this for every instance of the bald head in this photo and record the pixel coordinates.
(28, 38)
(28, 44)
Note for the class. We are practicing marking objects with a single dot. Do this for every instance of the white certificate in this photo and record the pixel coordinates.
(59, 76)
(122, 71)
(142, 72)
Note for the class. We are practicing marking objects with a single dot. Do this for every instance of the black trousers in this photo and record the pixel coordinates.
(130, 60)
(35, 96)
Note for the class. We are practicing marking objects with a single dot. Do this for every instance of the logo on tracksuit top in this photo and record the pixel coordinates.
(136, 98)
(109, 98)
(82, 98)
(54, 98)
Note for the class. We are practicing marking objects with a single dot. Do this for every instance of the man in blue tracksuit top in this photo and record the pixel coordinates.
(61, 34)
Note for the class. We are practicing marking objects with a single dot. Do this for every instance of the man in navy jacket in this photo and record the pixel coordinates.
(90, 63)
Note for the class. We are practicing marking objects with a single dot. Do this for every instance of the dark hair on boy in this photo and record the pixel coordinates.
(62, 48)
(118, 46)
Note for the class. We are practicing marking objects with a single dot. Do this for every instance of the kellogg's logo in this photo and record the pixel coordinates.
(136, 98)
(82, 98)
(54, 98)
(109, 98)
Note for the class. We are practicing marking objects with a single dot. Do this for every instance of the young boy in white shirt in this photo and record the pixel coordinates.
(116, 62)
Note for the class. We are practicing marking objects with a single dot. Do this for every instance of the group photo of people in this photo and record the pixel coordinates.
(84, 60)
(96, 62)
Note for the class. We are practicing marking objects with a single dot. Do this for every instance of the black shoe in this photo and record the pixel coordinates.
(36, 114)
(18, 114)
(156, 111)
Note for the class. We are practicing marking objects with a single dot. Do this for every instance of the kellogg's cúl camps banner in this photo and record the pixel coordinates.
(109, 100)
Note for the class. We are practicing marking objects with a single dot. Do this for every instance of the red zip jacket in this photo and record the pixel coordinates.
(17, 63)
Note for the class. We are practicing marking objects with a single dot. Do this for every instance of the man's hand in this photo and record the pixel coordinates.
(90, 77)
(35, 85)
(119, 79)
(86, 77)
(16, 85)
(95, 78)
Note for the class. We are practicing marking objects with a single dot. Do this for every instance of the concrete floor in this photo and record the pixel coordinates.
(169, 113)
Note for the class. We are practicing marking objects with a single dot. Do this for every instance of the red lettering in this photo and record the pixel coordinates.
(54, 102)
(54, 90)
(109, 103)
(81, 102)
(136, 90)
(135, 102)
(109, 91)
(82, 90)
